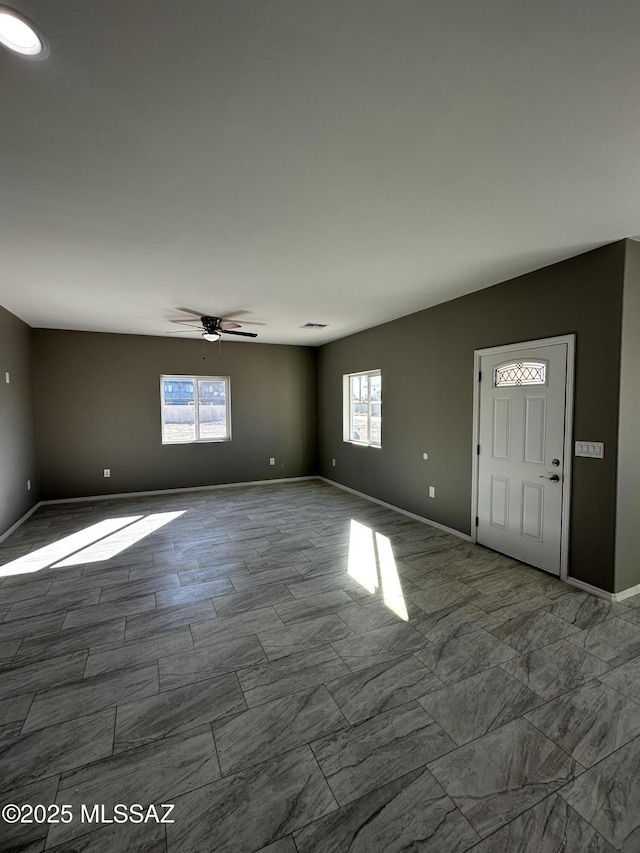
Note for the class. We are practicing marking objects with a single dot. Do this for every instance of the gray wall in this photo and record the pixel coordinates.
(98, 406)
(628, 506)
(17, 424)
(427, 392)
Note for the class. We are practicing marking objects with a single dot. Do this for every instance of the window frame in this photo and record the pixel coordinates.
(347, 402)
(196, 379)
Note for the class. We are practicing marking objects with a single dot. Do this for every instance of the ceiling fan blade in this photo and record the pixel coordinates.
(229, 324)
(191, 311)
(244, 334)
(186, 332)
(191, 324)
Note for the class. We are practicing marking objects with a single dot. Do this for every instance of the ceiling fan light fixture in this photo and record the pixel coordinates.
(211, 336)
(20, 36)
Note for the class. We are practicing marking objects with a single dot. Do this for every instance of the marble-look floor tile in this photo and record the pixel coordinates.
(91, 695)
(228, 606)
(383, 686)
(608, 796)
(584, 610)
(496, 581)
(502, 774)
(29, 837)
(477, 705)
(137, 652)
(15, 708)
(156, 773)
(410, 813)
(209, 661)
(510, 603)
(192, 593)
(116, 592)
(283, 845)
(379, 645)
(290, 674)
(209, 632)
(33, 588)
(72, 640)
(31, 627)
(590, 722)
(177, 710)
(52, 604)
(277, 574)
(625, 679)
(305, 588)
(443, 595)
(555, 669)
(275, 727)
(532, 630)
(463, 656)
(297, 535)
(632, 616)
(551, 588)
(42, 674)
(551, 826)
(148, 837)
(452, 621)
(8, 651)
(302, 636)
(156, 622)
(66, 585)
(55, 749)
(253, 808)
(313, 607)
(108, 610)
(615, 641)
(366, 756)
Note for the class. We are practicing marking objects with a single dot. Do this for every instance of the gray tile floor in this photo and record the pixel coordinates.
(297, 669)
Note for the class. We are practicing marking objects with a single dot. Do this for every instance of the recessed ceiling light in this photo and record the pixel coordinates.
(20, 35)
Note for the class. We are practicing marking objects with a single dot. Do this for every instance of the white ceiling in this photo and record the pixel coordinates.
(335, 161)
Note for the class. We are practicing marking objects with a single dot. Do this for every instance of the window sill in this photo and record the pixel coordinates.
(362, 444)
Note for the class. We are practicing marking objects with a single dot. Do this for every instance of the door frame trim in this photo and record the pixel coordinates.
(570, 341)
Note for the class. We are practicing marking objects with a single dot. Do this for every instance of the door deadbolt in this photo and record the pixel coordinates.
(555, 462)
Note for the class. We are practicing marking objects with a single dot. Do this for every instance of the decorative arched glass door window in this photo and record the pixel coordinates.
(520, 373)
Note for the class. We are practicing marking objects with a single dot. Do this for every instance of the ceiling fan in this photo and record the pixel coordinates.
(212, 328)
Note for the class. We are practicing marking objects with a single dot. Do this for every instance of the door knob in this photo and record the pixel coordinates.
(554, 478)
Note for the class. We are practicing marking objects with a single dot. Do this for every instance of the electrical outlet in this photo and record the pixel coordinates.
(432, 491)
(7, 377)
(28, 485)
(333, 462)
(272, 461)
(107, 472)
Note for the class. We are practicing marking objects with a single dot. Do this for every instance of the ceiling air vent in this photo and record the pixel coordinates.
(314, 326)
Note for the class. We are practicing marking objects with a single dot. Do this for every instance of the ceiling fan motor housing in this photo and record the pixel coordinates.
(211, 325)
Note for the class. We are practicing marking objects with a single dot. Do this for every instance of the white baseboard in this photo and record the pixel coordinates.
(602, 593)
(398, 509)
(20, 521)
(153, 492)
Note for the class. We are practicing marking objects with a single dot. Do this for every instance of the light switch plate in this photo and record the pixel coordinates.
(590, 449)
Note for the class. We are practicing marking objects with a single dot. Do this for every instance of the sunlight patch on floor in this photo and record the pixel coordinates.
(99, 541)
(371, 564)
(120, 541)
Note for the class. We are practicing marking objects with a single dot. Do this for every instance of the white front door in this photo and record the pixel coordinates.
(521, 452)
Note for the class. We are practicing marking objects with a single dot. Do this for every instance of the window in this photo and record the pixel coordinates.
(195, 408)
(520, 373)
(363, 408)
